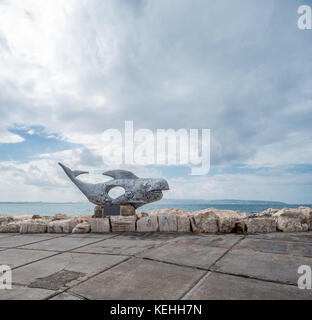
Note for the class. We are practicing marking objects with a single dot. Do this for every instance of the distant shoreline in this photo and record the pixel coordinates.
(78, 208)
(175, 201)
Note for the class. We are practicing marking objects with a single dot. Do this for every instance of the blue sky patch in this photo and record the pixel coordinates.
(36, 141)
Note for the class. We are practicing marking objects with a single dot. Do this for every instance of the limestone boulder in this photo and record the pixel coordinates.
(142, 214)
(36, 216)
(168, 211)
(123, 224)
(62, 226)
(84, 218)
(11, 227)
(168, 223)
(59, 216)
(184, 223)
(33, 226)
(83, 227)
(230, 221)
(291, 220)
(260, 224)
(5, 219)
(100, 225)
(167, 219)
(22, 217)
(148, 224)
(204, 221)
(307, 214)
(291, 225)
(266, 213)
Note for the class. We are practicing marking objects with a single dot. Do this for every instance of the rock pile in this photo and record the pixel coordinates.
(167, 220)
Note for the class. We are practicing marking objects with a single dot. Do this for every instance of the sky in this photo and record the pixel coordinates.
(70, 70)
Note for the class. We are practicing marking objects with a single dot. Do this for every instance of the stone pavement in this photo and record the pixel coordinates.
(155, 266)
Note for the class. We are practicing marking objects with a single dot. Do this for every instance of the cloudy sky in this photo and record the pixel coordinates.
(71, 69)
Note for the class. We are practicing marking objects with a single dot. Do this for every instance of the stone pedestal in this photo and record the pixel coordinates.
(127, 210)
(98, 212)
(114, 210)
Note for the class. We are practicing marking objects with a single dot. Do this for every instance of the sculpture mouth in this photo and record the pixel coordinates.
(157, 192)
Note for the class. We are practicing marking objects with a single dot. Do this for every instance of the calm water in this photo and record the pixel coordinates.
(87, 208)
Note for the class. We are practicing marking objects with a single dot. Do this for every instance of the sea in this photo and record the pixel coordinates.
(77, 208)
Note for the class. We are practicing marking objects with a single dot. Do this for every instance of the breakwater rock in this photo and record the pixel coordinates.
(166, 220)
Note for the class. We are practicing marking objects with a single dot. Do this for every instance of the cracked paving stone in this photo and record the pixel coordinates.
(56, 281)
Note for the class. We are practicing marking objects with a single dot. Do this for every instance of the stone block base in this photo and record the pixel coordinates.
(163, 220)
(148, 224)
(100, 225)
(123, 224)
(114, 210)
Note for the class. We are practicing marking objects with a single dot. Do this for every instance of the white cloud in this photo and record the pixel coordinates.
(8, 137)
(44, 180)
(80, 67)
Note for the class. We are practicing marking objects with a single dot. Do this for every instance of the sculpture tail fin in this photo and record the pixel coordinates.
(72, 174)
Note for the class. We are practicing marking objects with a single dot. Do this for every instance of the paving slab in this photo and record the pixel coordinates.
(21, 240)
(212, 240)
(139, 279)
(5, 235)
(18, 257)
(166, 266)
(66, 296)
(268, 266)
(46, 235)
(86, 264)
(217, 286)
(93, 235)
(23, 293)
(61, 244)
(163, 236)
(127, 244)
(277, 246)
(200, 252)
(302, 236)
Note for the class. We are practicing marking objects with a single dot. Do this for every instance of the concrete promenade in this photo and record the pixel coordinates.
(155, 266)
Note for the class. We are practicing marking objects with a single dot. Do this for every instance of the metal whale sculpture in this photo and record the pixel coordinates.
(138, 191)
